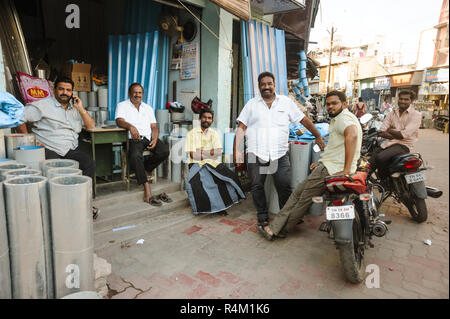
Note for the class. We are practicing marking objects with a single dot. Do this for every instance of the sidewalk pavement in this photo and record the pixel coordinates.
(216, 257)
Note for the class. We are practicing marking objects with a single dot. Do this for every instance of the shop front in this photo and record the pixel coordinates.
(406, 81)
(435, 88)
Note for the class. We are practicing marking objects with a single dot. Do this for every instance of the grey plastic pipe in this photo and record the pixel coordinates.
(31, 157)
(72, 233)
(13, 141)
(10, 167)
(300, 157)
(26, 215)
(20, 173)
(58, 163)
(56, 172)
(5, 273)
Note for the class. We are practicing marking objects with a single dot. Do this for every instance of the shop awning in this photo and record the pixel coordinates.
(264, 7)
(240, 8)
(243, 8)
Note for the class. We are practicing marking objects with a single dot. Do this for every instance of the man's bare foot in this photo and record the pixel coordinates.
(267, 229)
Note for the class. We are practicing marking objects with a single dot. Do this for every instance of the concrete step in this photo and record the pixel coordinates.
(154, 223)
(133, 210)
(135, 195)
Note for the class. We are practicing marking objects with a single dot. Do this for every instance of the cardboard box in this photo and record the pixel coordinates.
(80, 75)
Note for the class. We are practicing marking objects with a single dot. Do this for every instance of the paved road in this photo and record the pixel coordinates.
(224, 257)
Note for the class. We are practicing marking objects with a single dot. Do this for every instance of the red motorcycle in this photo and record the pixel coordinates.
(352, 218)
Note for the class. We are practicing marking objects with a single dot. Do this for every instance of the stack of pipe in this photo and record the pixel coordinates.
(27, 224)
(20, 173)
(72, 234)
(13, 141)
(163, 119)
(103, 98)
(2, 145)
(57, 172)
(58, 163)
(7, 166)
(31, 156)
(5, 272)
(300, 157)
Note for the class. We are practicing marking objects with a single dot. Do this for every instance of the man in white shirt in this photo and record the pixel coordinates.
(139, 119)
(265, 122)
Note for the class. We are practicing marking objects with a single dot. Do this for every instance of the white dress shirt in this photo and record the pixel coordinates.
(141, 119)
(268, 129)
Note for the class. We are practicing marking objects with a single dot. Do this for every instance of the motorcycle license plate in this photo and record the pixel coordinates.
(340, 212)
(415, 178)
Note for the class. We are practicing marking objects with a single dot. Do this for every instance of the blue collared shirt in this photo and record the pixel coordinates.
(55, 128)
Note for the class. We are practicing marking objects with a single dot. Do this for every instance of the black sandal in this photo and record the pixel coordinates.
(163, 197)
(263, 232)
(95, 212)
(154, 201)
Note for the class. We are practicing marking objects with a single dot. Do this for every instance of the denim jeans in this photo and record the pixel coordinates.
(258, 170)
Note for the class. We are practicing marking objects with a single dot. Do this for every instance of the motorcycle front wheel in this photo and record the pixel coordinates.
(352, 254)
(417, 208)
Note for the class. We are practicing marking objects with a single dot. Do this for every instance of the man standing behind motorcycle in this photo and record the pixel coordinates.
(401, 129)
(339, 158)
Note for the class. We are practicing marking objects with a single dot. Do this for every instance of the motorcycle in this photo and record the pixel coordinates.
(406, 179)
(352, 218)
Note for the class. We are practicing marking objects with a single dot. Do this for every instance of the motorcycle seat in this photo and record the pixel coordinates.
(355, 183)
(398, 160)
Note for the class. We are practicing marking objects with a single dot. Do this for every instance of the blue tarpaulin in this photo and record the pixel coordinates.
(11, 111)
(323, 128)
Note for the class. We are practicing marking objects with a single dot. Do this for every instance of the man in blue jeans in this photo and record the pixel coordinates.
(265, 123)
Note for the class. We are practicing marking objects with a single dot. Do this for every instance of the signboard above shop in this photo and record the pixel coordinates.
(383, 83)
(437, 75)
(401, 79)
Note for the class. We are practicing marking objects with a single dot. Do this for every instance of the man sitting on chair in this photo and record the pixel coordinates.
(139, 119)
(211, 186)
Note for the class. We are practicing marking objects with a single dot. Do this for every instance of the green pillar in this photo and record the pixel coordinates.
(216, 63)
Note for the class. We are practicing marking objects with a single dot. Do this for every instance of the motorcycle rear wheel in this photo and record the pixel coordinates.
(417, 208)
(352, 254)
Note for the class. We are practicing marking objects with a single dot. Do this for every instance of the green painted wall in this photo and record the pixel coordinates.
(216, 63)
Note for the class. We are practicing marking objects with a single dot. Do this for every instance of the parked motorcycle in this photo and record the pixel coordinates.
(405, 181)
(352, 218)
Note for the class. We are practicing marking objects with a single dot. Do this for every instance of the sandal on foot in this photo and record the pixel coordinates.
(95, 212)
(163, 197)
(263, 232)
(154, 201)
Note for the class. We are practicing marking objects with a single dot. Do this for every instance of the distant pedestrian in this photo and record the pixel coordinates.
(386, 106)
(359, 109)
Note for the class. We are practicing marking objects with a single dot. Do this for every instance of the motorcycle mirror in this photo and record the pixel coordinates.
(365, 118)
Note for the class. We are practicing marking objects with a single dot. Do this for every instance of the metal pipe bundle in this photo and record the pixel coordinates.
(72, 233)
(20, 173)
(58, 163)
(13, 141)
(30, 155)
(56, 172)
(26, 212)
(5, 273)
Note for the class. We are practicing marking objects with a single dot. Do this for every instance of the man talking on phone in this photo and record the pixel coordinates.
(56, 122)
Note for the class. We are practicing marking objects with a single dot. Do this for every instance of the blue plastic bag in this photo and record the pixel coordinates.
(11, 111)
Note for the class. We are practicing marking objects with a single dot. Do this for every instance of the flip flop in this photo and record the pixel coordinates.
(95, 212)
(262, 231)
(164, 198)
(154, 202)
